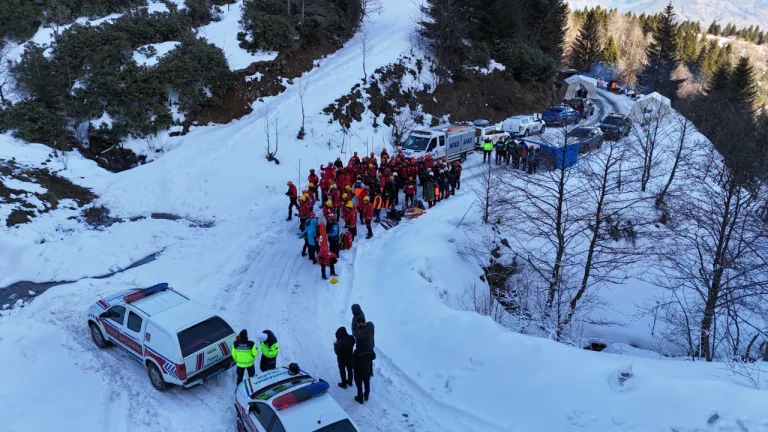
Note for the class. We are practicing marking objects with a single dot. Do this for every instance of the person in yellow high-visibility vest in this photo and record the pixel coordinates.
(269, 350)
(487, 149)
(244, 352)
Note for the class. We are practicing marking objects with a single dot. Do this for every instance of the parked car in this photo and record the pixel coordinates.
(588, 137)
(561, 115)
(178, 340)
(584, 106)
(484, 129)
(615, 126)
(288, 400)
(524, 125)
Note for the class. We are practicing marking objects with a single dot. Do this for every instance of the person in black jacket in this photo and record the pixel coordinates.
(344, 347)
(356, 313)
(364, 356)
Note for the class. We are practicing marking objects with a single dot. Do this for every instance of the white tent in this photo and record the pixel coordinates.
(574, 83)
(649, 107)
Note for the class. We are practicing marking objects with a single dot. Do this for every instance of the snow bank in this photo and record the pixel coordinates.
(105, 119)
(64, 392)
(161, 49)
(157, 6)
(223, 34)
(407, 283)
(22, 185)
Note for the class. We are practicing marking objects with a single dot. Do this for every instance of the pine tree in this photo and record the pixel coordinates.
(743, 89)
(662, 56)
(719, 83)
(611, 51)
(688, 45)
(586, 49)
(714, 29)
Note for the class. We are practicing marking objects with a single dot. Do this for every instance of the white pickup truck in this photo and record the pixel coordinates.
(178, 340)
(524, 125)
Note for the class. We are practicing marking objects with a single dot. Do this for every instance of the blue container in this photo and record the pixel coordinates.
(554, 156)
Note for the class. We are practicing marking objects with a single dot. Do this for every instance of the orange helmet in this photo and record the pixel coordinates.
(410, 178)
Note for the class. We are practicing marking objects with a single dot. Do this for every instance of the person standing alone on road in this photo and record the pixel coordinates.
(291, 194)
(244, 352)
(344, 349)
(269, 350)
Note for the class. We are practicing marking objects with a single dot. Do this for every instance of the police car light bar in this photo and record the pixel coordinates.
(146, 292)
(300, 395)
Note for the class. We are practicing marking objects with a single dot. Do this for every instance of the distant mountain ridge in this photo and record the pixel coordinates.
(742, 13)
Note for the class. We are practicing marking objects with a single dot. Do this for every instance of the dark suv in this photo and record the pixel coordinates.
(615, 126)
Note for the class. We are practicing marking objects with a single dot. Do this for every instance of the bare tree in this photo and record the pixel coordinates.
(303, 85)
(6, 79)
(56, 15)
(403, 125)
(613, 218)
(654, 128)
(487, 194)
(718, 258)
(481, 300)
(273, 128)
(683, 128)
(366, 48)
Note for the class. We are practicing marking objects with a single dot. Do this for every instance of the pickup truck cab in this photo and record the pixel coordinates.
(178, 340)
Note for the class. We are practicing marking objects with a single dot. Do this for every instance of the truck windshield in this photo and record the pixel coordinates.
(202, 335)
(416, 143)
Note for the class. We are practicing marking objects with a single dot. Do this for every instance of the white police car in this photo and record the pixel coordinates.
(178, 340)
(284, 400)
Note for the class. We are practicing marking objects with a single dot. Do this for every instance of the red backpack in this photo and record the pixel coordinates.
(346, 241)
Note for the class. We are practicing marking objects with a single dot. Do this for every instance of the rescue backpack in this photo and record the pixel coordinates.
(346, 241)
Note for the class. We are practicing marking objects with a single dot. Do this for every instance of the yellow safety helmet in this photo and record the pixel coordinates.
(344, 196)
(366, 199)
(370, 165)
(329, 203)
(301, 198)
(311, 185)
(347, 187)
(350, 204)
(305, 196)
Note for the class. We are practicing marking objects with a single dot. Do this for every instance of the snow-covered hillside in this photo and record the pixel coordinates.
(439, 366)
(742, 13)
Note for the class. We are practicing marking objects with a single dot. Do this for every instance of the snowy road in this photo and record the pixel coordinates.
(439, 367)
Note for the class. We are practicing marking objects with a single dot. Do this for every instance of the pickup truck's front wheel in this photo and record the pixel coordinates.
(97, 336)
(156, 378)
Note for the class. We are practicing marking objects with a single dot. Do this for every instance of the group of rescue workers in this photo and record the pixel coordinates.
(361, 190)
(354, 354)
(523, 156)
